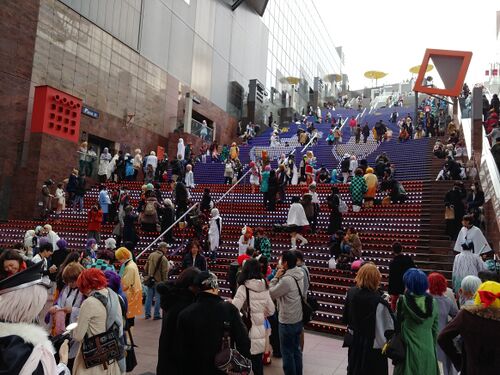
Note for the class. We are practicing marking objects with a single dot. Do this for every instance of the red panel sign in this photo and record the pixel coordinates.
(160, 152)
(56, 113)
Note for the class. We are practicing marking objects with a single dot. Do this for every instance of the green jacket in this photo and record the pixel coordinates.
(419, 330)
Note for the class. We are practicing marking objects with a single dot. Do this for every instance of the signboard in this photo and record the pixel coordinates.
(160, 152)
(90, 112)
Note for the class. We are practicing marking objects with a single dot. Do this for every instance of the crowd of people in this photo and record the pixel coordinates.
(99, 285)
(423, 326)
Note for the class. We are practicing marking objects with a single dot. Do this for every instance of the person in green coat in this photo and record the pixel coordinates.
(358, 188)
(264, 184)
(225, 153)
(419, 326)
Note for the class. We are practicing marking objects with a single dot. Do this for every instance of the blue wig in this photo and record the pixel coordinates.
(416, 281)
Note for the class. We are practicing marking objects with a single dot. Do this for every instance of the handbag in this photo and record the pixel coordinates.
(229, 360)
(449, 213)
(348, 338)
(103, 348)
(246, 317)
(395, 347)
(307, 309)
(130, 358)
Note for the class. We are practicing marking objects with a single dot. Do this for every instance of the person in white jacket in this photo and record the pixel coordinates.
(214, 232)
(296, 221)
(189, 178)
(52, 237)
(254, 301)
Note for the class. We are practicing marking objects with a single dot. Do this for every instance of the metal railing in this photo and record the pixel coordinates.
(187, 212)
(202, 131)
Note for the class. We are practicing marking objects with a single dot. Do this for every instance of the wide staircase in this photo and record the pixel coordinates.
(418, 223)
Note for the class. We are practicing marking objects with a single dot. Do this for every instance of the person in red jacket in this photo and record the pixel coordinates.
(94, 220)
(352, 124)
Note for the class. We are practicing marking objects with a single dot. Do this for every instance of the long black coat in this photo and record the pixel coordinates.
(200, 330)
(173, 301)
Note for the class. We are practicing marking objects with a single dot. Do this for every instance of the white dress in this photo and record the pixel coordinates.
(189, 179)
(297, 215)
(214, 232)
(181, 148)
(475, 236)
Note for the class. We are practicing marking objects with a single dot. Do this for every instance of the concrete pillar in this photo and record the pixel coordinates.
(188, 113)
(477, 124)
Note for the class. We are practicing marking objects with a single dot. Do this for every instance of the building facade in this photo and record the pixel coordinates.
(300, 46)
(141, 70)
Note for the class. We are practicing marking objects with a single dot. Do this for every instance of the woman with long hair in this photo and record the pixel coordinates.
(368, 315)
(254, 294)
(193, 258)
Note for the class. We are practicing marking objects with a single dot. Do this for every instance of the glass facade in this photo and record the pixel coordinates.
(115, 54)
(74, 55)
(299, 46)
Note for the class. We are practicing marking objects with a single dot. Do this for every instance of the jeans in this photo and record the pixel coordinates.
(149, 300)
(290, 348)
(78, 201)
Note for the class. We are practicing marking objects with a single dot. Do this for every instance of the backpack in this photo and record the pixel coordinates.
(150, 209)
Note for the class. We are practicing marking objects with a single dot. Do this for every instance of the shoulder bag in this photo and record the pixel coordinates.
(307, 310)
(228, 359)
(246, 317)
(103, 348)
(395, 347)
(449, 213)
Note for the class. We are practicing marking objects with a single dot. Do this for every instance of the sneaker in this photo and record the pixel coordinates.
(157, 318)
(147, 317)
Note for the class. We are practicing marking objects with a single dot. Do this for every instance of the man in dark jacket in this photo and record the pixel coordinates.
(454, 199)
(201, 327)
(397, 268)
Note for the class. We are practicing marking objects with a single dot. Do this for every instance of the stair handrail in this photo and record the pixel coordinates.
(185, 213)
(310, 141)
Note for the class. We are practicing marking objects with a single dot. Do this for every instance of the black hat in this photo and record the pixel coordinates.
(30, 276)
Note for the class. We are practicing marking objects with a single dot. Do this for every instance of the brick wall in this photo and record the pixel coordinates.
(17, 44)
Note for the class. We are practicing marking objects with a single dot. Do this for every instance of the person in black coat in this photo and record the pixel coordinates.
(475, 198)
(167, 213)
(201, 327)
(454, 199)
(272, 190)
(397, 268)
(129, 232)
(453, 167)
(175, 297)
(181, 198)
(366, 132)
(335, 219)
(193, 258)
(71, 186)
